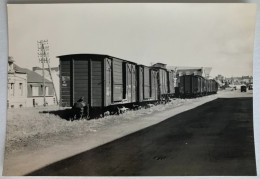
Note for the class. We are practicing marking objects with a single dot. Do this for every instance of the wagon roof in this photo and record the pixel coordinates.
(91, 54)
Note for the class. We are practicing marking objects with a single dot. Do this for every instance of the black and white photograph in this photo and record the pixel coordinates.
(130, 89)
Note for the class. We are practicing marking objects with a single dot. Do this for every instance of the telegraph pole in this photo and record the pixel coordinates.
(42, 59)
(43, 55)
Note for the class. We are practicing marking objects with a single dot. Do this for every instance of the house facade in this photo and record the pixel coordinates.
(16, 86)
(26, 88)
(35, 89)
(55, 72)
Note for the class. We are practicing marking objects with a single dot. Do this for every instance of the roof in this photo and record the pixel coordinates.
(92, 54)
(185, 68)
(159, 65)
(80, 54)
(32, 77)
(39, 68)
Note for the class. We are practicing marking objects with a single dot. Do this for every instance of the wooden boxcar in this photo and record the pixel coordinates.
(147, 88)
(185, 86)
(165, 83)
(101, 79)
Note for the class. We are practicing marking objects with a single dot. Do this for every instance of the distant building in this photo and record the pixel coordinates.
(202, 71)
(247, 79)
(180, 71)
(35, 90)
(16, 84)
(220, 78)
(240, 80)
(55, 76)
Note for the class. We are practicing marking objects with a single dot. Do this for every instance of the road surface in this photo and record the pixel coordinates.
(215, 139)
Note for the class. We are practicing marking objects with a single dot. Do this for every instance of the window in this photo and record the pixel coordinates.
(46, 90)
(21, 88)
(35, 91)
(11, 89)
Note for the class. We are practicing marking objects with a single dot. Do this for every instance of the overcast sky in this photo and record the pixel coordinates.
(220, 36)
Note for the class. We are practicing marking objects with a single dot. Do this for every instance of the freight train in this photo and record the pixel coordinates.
(107, 82)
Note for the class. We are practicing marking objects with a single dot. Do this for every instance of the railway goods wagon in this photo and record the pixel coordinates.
(147, 88)
(101, 79)
(185, 86)
(193, 86)
(163, 82)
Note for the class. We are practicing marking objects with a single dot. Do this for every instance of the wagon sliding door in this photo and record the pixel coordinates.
(163, 82)
(170, 82)
(146, 83)
(130, 82)
(154, 86)
(140, 83)
(117, 80)
(134, 82)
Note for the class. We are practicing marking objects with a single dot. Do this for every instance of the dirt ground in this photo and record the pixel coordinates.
(37, 137)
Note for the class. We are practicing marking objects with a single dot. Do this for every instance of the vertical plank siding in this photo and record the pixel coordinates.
(154, 85)
(96, 83)
(117, 80)
(81, 86)
(146, 83)
(140, 86)
(170, 82)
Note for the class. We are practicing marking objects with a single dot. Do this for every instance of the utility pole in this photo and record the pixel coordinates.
(43, 54)
(42, 59)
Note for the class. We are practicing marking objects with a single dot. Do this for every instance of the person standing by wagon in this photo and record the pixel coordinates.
(79, 108)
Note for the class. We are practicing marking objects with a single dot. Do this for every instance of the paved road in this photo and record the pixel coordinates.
(215, 139)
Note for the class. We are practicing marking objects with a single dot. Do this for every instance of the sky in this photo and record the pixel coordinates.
(220, 36)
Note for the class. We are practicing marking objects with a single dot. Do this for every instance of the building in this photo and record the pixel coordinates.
(17, 86)
(202, 71)
(220, 78)
(247, 79)
(55, 72)
(35, 89)
(25, 87)
(240, 80)
(180, 71)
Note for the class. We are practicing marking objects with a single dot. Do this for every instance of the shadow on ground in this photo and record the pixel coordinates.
(214, 139)
(63, 113)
